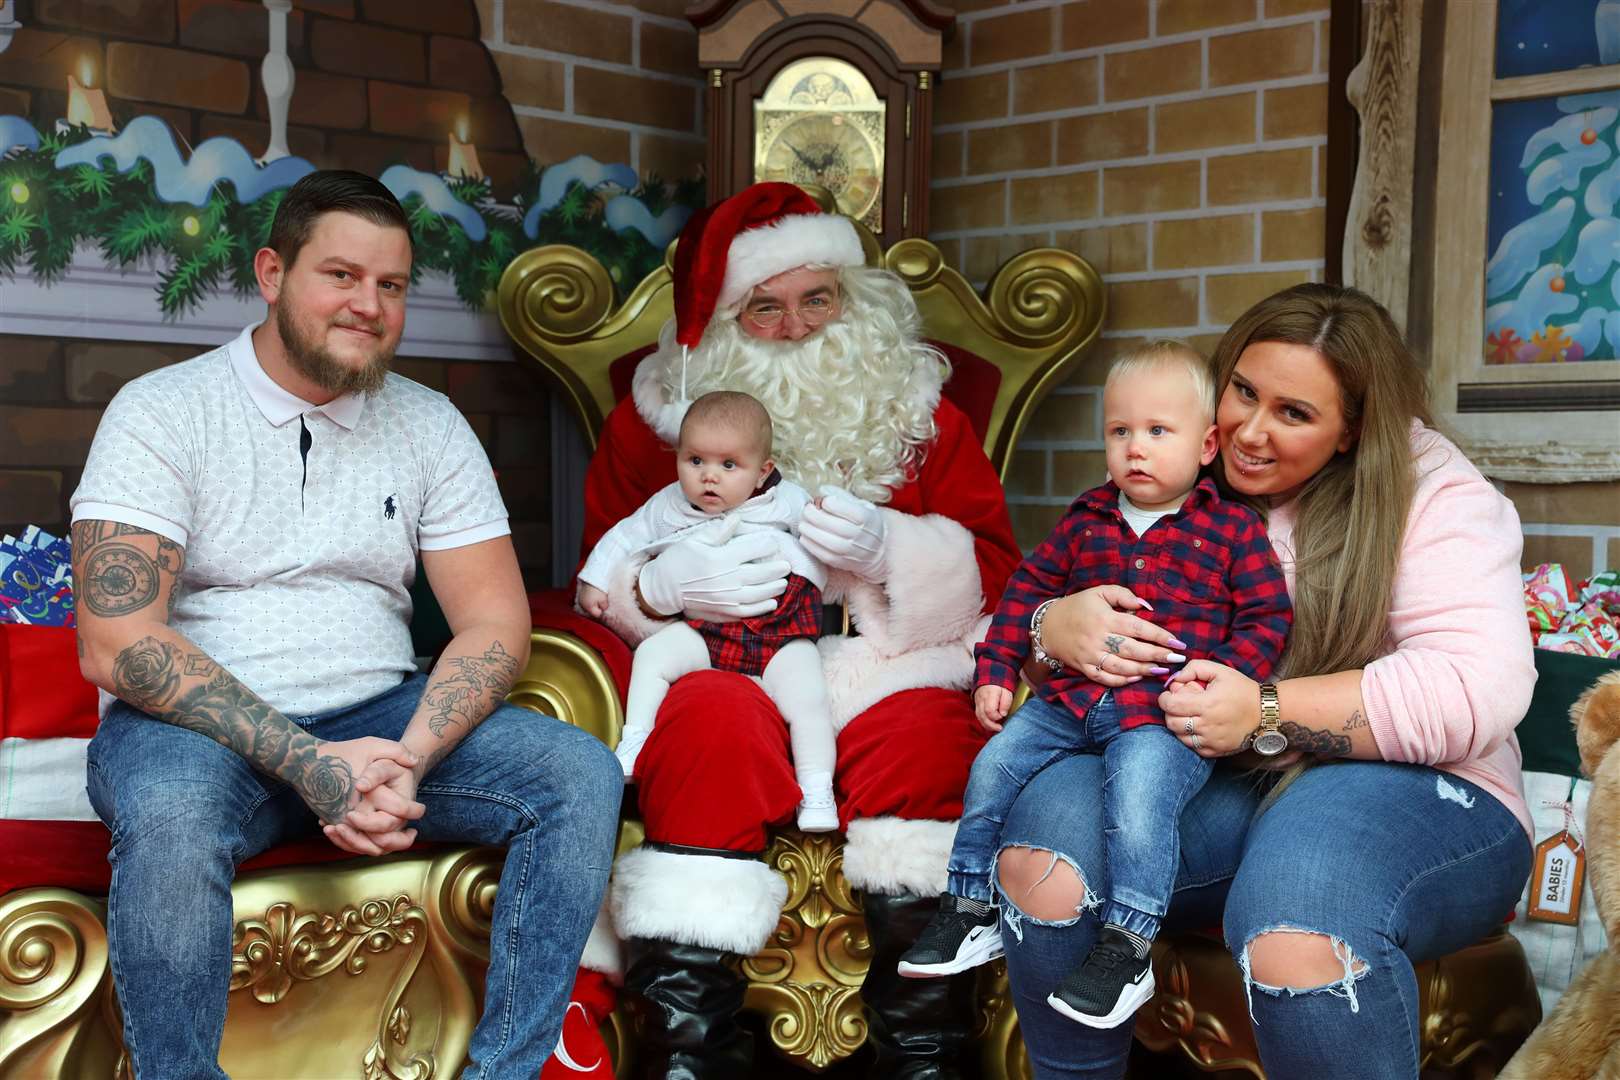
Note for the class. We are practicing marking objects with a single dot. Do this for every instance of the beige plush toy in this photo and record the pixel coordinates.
(1580, 1039)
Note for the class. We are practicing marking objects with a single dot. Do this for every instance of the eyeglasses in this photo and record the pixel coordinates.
(813, 312)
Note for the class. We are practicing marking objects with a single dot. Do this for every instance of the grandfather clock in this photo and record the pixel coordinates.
(836, 93)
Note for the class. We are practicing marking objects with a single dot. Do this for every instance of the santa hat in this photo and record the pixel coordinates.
(761, 231)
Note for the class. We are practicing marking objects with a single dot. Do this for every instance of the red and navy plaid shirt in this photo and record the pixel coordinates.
(747, 645)
(1207, 569)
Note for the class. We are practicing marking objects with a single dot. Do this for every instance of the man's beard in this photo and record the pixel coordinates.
(316, 363)
(851, 405)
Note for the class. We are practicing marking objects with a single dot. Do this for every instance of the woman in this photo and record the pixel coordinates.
(1408, 667)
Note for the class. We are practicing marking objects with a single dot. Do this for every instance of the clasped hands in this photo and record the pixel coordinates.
(720, 576)
(382, 802)
(1098, 632)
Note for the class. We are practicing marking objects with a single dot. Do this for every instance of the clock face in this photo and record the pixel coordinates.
(820, 122)
(828, 148)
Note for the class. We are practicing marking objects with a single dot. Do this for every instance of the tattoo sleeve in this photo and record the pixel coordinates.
(123, 571)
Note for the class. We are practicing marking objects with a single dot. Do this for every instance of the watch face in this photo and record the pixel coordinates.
(820, 122)
(1270, 743)
(827, 149)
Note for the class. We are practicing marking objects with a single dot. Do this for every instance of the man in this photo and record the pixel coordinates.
(772, 298)
(244, 541)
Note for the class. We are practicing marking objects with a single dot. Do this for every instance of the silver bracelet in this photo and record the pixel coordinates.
(1035, 644)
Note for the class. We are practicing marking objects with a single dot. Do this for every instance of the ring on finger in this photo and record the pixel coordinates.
(1187, 727)
(1197, 743)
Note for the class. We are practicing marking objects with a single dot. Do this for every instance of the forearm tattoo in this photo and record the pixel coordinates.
(465, 689)
(1313, 741)
(1356, 721)
(187, 689)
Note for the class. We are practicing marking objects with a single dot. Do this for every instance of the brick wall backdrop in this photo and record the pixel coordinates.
(1179, 145)
(617, 81)
(1176, 144)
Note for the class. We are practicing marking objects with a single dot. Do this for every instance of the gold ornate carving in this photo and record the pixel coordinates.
(284, 947)
(1001, 1047)
(53, 959)
(1198, 1006)
(556, 302)
(568, 679)
(465, 899)
(806, 981)
(270, 954)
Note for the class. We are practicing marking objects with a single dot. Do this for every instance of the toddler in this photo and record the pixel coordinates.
(1204, 567)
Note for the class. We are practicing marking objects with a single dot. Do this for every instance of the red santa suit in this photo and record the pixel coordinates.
(716, 773)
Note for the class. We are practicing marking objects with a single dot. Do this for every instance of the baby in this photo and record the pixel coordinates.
(1209, 572)
(728, 483)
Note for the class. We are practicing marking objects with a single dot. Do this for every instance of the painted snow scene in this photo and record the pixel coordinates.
(1552, 285)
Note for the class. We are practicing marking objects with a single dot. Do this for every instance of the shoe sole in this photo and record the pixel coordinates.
(982, 951)
(1133, 998)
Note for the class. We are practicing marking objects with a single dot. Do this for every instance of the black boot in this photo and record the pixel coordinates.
(685, 1000)
(920, 1029)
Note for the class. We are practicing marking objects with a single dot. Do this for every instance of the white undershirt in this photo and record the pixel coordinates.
(1140, 520)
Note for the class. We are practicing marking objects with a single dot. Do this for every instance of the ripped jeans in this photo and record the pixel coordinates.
(1149, 775)
(1396, 864)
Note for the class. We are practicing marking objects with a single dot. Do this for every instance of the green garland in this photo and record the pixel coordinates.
(46, 211)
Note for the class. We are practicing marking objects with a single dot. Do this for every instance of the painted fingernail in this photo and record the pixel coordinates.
(1177, 643)
(1177, 658)
(1145, 605)
(1134, 678)
(1158, 671)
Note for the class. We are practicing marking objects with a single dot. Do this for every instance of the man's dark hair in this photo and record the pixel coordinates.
(325, 192)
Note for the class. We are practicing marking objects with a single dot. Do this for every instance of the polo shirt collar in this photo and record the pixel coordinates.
(277, 404)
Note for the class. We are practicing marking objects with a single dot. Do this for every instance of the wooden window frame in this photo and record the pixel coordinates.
(1540, 423)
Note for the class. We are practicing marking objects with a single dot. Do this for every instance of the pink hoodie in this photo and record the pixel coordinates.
(1457, 676)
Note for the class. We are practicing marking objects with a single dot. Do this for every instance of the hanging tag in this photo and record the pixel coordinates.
(1556, 881)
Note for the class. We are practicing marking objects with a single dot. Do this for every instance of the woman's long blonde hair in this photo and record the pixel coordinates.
(1352, 513)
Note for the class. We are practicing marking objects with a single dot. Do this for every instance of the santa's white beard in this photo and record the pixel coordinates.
(852, 404)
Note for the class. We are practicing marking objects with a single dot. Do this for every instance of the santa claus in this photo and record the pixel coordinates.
(773, 298)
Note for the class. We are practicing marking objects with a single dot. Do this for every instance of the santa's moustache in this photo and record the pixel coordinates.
(851, 404)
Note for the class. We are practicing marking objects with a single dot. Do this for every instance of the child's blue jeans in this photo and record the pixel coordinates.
(1148, 776)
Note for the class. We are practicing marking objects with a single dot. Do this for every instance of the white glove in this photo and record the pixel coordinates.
(846, 533)
(717, 577)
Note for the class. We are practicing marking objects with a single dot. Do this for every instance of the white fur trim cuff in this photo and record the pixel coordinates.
(799, 240)
(603, 950)
(707, 900)
(933, 595)
(624, 616)
(894, 856)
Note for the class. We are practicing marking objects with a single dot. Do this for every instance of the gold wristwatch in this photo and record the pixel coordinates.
(1268, 740)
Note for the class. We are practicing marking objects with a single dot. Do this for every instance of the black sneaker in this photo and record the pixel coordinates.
(1111, 985)
(955, 939)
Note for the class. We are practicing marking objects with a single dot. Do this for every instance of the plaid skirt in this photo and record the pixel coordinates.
(747, 645)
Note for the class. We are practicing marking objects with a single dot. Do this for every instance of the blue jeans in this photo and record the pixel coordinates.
(1396, 864)
(184, 811)
(1148, 776)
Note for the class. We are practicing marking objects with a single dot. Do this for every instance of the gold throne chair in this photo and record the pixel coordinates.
(1039, 316)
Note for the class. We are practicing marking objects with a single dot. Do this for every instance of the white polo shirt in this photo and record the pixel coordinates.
(298, 567)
